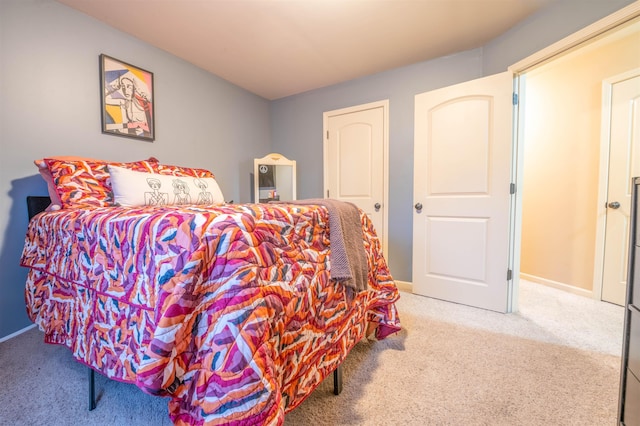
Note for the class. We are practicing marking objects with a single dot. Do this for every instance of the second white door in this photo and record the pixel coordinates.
(355, 160)
(623, 125)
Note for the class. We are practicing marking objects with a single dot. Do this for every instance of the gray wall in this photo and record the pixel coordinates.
(50, 105)
(297, 120)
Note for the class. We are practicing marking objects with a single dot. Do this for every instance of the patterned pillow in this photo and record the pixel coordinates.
(134, 188)
(86, 183)
(56, 204)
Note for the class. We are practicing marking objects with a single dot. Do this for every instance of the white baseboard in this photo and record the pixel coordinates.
(407, 286)
(404, 286)
(12, 335)
(555, 284)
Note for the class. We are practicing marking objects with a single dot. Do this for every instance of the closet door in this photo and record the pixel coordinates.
(356, 160)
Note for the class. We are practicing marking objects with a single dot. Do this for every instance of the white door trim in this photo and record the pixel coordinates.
(603, 179)
(384, 104)
(617, 18)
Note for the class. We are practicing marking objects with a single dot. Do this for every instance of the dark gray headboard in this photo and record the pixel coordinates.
(37, 204)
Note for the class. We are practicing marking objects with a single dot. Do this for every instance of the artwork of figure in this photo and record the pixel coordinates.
(125, 92)
(204, 197)
(181, 192)
(127, 99)
(155, 198)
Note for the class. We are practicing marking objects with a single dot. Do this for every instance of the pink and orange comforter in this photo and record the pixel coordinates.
(229, 310)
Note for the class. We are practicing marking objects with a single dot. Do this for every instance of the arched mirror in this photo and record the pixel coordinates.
(274, 178)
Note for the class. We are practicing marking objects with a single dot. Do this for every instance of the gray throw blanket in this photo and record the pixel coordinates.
(348, 258)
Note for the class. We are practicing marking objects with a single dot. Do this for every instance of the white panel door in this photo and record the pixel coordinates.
(624, 164)
(462, 173)
(355, 160)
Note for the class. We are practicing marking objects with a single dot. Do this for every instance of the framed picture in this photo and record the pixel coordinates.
(126, 95)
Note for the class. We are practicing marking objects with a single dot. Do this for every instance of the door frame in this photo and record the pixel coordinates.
(384, 104)
(519, 70)
(603, 179)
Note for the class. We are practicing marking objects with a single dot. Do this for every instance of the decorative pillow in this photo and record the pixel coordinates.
(56, 204)
(86, 183)
(134, 188)
(42, 163)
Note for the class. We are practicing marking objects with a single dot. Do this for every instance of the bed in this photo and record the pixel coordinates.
(231, 310)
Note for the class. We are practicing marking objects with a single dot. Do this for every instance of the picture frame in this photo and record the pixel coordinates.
(126, 100)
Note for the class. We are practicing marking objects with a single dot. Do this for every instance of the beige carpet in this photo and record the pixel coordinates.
(556, 362)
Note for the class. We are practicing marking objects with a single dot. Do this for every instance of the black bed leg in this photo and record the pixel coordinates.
(92, 389)
(337, 380)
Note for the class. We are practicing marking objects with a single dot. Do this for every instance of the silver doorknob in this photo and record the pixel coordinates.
(377, 206)
(614, 205)
(418, 207)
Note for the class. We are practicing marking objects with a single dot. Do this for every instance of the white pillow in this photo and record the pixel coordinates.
(132, 188)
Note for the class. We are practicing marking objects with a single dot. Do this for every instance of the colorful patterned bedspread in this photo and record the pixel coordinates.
(229, 310)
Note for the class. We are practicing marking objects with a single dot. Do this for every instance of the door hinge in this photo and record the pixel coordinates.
(327, 134)
(512, 188)
(509, 274)
(515, 98)
(327, 193)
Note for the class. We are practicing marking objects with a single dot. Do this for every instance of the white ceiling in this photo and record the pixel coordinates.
(277, 48)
